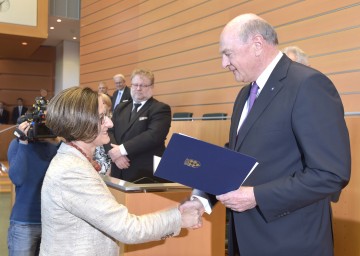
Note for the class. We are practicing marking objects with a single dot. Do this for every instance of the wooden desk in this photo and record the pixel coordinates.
(212, 131)
(346, 212)
(6, 136)
(208, 240)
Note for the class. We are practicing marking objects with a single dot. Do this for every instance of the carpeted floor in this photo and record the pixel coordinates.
(5, 209)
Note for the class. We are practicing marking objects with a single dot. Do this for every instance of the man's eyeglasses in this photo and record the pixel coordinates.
(141, 86)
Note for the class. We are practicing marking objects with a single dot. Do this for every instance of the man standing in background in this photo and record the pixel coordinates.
(19, 110)
(296, 54)
(140, 129)
(103, 88)
(122, 92)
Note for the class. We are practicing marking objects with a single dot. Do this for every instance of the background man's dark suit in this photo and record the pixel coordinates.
(15, 113)
(124, 97)
(4, 117)
(143, 137)
(296, 131)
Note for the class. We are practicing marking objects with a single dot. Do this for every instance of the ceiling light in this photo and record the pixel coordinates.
(52, 28)
(24, 43)
(74, 37)
(58, 20)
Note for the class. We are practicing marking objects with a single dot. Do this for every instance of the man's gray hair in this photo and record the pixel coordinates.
(258, 26)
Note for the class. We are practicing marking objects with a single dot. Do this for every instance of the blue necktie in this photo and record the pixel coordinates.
(253, 94)
(118, 99)
(252, 97)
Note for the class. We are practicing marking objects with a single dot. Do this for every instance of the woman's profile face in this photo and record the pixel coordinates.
(105, 123)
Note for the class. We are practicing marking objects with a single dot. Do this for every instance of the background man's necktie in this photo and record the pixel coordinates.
(253, 94)
(118, 99)
(135, 108)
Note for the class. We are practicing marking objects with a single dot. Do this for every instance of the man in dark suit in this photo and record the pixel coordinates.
(4, 114)
(140, 129)
(122, 92)
(297, 132)
(18, 111)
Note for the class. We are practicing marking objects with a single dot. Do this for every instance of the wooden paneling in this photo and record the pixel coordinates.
(25, 77)
(347, 211)
(178, 41)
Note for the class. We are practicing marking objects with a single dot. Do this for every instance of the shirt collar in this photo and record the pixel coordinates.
(264, 76)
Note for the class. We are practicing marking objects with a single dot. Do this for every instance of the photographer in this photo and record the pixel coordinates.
(29, 158)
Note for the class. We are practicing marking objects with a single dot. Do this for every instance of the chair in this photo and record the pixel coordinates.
(182, 116)
(214, 116)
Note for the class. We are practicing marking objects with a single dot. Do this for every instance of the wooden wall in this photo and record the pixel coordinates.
(25, 77)
(178, 40)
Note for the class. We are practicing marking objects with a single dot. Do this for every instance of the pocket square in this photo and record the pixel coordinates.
(143, 118)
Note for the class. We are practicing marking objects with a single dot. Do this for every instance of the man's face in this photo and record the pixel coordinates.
(119, 83)
(141, 88)
(238, 57)
(102, 88)
(19, 102)
(1, 105)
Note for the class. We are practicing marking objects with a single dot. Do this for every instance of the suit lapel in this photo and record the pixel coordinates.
(123, 111)
(272, 87)
(235, 119)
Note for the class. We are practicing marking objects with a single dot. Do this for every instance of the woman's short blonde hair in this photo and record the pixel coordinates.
(73, 114)
(106, 99)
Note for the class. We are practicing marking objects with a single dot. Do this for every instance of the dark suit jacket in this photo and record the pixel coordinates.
(143, 137)
(4, 118)
(124, 97)
(297, 132)
(15, 113)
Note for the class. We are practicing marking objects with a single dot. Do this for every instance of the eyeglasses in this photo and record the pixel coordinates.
(103, 115)
(141, 86)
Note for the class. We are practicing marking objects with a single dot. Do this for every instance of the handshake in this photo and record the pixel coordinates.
(191, 214)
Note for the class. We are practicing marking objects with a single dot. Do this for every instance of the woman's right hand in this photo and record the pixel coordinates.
(191, 214)
(24, 127)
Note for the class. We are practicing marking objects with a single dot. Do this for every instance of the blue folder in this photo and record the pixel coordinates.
(204, 166)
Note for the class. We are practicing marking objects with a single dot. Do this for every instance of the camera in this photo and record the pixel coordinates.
(36, 118)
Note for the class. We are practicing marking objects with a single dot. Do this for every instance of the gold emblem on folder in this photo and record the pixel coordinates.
(192, 163)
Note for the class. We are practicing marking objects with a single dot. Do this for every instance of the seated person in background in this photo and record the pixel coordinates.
(28, 162)
(4, 114)
(100, 155)
(296, 54)
(140, 129)
(79, 214)
(18, 111)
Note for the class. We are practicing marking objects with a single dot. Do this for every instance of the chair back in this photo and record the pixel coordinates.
(182, 116)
